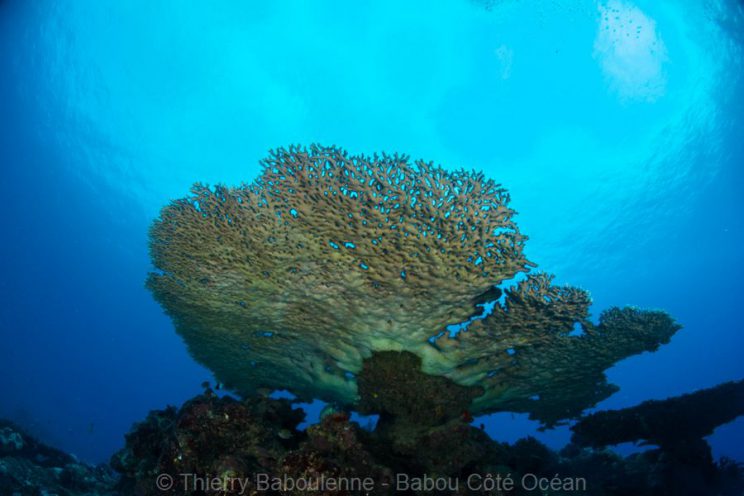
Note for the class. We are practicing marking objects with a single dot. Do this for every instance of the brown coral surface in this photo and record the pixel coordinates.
(292, 281)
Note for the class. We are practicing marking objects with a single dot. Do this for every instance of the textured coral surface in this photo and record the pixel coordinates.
(292, 281)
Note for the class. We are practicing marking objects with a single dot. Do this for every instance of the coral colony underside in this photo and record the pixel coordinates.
(336, 277)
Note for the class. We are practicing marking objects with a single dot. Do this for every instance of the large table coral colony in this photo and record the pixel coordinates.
(327, 258)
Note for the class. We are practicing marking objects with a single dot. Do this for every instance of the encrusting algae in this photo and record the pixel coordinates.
(326, 259)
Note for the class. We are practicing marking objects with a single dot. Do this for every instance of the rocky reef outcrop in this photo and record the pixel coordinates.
(224, 446)
(677, 427)
(220, 446)
(31, 468)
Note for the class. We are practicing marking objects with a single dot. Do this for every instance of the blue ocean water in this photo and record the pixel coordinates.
(616, 125)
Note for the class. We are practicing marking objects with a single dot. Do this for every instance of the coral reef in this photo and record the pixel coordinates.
(208, 435)
(677, 425)
(420, 415)
(392, 384)
(337, 449)
(337, 277)
(30, 468)
(221, 446)
(291, 282)
(257, 442)
(666, 423)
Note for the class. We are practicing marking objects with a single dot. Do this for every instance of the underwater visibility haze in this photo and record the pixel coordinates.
(507, 214)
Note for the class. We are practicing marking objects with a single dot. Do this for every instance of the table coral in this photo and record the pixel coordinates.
(290, 282)
(668, 422)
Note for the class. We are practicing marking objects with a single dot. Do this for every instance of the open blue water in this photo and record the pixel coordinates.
(616, 125)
